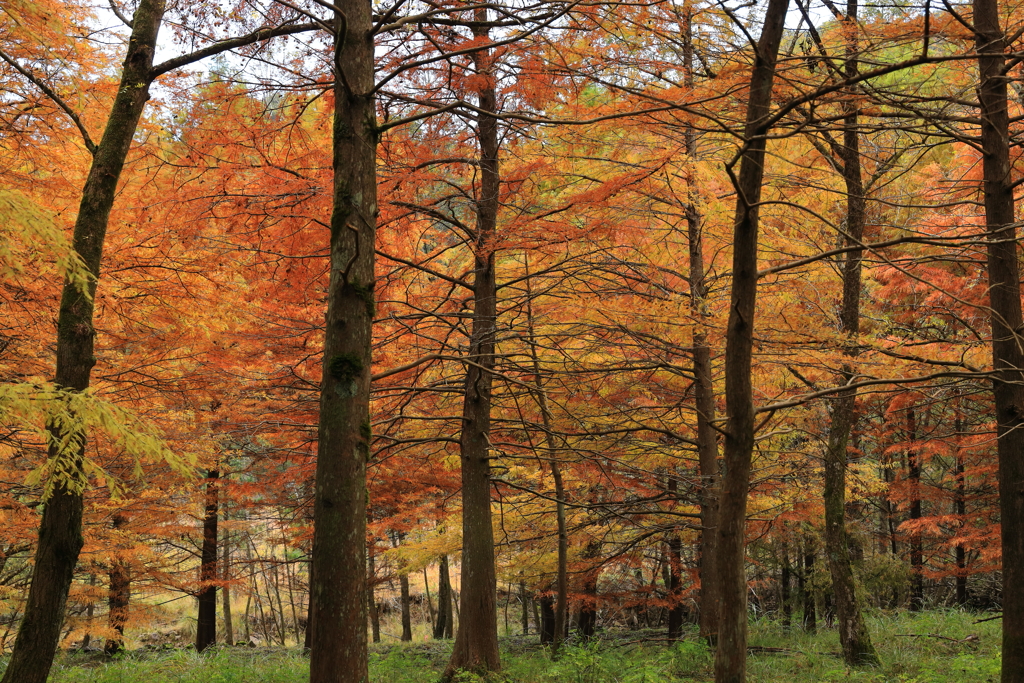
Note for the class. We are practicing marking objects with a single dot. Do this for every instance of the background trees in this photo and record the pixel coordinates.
(550, 282)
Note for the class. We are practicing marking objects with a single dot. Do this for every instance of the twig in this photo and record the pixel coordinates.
(998, 616)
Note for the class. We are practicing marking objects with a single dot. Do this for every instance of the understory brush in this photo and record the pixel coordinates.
(930, 647)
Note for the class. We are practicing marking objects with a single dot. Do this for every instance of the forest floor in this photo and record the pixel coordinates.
(931, 647)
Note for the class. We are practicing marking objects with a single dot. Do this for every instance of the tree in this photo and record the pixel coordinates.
(731, 655)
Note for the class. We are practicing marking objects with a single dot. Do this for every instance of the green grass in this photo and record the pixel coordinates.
(619, 657)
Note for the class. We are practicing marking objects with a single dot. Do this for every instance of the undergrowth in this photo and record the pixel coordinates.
(932, 647)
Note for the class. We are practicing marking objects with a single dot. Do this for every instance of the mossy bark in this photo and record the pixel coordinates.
(60, 529)
(337, 638)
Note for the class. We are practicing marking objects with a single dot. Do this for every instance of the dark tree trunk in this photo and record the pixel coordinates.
(810, 609)
(916, 541)
(731, 654)
(784, 583)
(119, 595)
(371, 597)
(525, 597)
(403, 584)
(854, 637)
(443, 625)
(338, 642)
(676, 610)
(476, 643)
(206, 628)
(960, 510)
(60, 529)
(703, 388)
(1004, 298)
(547, 619)
(586, 624)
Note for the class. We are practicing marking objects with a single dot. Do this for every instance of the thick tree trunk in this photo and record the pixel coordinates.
(443, 624)
(338, 638)
(854, 637)
(206, 628)
(476, 643)
(1004, 297)
(119, 595)
(60, 529)
(731, 655)
(547, 619)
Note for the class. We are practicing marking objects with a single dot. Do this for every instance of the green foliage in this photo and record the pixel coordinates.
(29, 235)
(61, 417)
(908, 653)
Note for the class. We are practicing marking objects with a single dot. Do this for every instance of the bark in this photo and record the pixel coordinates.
(60, 529)
(119, 595)
(854, 637)
(810, 608)
(731, 655)
(525, 598)
(562, 572)
(784, 583)
(206, 628)
(430, 602)
(229, 629)
(676, 611)
(960, 511)
(338, 639)
(1006, 320)
(703, 388)
(547, 619)
(476, 643)
(443, 625)
(916, 544)
(403, 586)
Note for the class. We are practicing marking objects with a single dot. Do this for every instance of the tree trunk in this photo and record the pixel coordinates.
(854, 637)
(60, 529)
(229, 629)
(785, 579)
(676, 611)
(1004, 297)
(525, 598)
(916, 544)
(443, 625)
(562, 572)
(476, 643)
(338, 630)
(547, 619)
(430, 603)
(731, 655)
(810, 608)
(206, 628)
(960, 511)
(119, 595)
(403, 585)
(703, 387)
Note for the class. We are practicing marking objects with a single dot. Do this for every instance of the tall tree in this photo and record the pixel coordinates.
(853, 631)
(338, 573)
(476, 643)
(60, 529)
(1007, 322)
(731, 655)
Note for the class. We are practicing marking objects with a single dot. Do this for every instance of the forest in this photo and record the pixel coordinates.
(527, 323)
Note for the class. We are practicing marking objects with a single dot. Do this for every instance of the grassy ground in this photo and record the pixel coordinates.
(909, 655)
